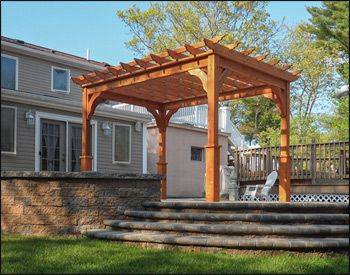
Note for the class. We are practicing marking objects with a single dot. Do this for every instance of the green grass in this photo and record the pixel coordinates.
(81, 255)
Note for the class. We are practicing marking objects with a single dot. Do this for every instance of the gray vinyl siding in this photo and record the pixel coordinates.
(24, 160)
(34, 75)
(104, 150)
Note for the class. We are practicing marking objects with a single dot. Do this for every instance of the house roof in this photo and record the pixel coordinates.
(174, 79)
(51, 51)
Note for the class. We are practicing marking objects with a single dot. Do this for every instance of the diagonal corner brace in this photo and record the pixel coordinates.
(201, 75)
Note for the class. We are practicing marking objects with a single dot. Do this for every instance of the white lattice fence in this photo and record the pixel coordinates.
(309, 198)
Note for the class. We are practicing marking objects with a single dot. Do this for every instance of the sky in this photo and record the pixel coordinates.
(75, 26)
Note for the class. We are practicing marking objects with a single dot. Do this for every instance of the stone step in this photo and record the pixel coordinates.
(243, 206)
(245, 217)
(232, 229)
(240, 243)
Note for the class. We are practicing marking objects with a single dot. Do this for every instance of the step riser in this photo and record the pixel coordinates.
(233, 235)
(238, 221)
(242, 211)
(232, 230)
(238, 225)
(240, 243)
(272, 207)
(239, 218)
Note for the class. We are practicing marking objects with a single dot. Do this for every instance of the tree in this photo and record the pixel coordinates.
(330, 24)
(171, 24)
(336, 124)
(254, 117)
(311, 92)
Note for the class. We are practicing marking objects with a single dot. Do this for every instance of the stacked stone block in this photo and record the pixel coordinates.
(54, 203)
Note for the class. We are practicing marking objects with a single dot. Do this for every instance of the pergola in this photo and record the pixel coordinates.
(202, 73)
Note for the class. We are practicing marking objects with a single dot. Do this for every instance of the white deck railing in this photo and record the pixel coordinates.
(198, 116)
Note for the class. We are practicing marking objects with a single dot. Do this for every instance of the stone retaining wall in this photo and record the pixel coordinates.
(60, 203)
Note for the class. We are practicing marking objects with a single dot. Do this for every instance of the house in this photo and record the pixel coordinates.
(41, 115)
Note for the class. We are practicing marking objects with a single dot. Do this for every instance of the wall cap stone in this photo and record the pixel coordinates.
(80, 175)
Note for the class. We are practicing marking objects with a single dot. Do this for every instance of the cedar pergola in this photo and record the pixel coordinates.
(202, 73)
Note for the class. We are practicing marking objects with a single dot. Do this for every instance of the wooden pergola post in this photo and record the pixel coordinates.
(212, 184)
(162, 120)
(86, 158)
(162, 164)
(284, 175)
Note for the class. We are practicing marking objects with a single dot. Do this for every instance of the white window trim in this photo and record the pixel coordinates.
(113, 144)
(15, 134)
(55, 90)
(16, 59)
(144, 149)
(67, 119)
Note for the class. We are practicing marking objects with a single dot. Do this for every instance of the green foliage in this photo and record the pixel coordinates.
(71, 255)
(336, 123)
(254, 116)
(330, 24)
(171, 24)
(271, 136)
(303, 130)
(315, 82)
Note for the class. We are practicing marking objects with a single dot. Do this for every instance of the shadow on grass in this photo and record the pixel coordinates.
(70, 255)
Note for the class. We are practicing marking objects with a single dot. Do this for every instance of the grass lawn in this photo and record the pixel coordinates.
(81, 255)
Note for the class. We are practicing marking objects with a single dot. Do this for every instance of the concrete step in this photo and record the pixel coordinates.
(233, 229)
(227, 242)
(244, 206)
(245, 217)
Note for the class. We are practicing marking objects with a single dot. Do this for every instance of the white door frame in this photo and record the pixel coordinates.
(67, 119)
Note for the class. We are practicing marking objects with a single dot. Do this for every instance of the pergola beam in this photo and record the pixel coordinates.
(130, 100)
(148, 75)
(251, 73)
(223, 96)
(249, 62)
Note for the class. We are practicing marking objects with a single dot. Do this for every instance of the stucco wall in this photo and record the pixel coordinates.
(56, 203)
(185, 178)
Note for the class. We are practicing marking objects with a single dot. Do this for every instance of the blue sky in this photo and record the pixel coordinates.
(75, 26)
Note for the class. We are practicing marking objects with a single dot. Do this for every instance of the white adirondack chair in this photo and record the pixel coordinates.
(253, 190)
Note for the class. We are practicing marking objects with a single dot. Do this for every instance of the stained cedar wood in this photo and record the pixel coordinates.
(162, 84)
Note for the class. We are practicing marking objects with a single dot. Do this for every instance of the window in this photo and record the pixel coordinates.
(9, 72)
(60, 80)
(8, 129)
(196, 154)
(121, 143)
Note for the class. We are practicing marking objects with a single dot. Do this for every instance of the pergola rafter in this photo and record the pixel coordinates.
(201, 73)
